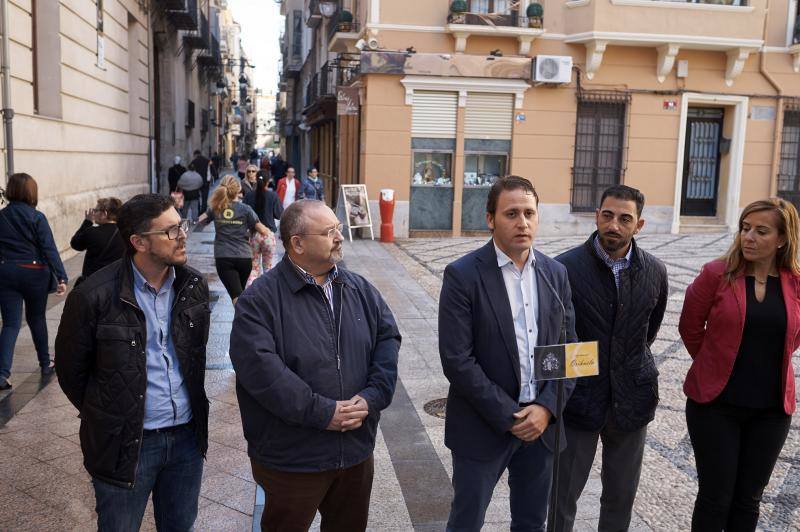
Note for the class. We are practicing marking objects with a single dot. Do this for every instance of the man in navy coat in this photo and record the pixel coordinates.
(497, 304)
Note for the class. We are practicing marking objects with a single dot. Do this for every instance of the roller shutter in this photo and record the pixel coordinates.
(434, 114)
(489, 116)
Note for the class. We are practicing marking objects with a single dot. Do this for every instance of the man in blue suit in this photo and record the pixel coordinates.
(497, 304)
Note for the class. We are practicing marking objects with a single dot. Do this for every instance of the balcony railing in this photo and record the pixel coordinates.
(185, 16)
(314, 16)
(212, 58)
(199, 40)
(506, 20)
(333, 74)
(336, 26)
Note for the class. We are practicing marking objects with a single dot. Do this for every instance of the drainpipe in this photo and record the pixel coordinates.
(8, 112)
(776, 137)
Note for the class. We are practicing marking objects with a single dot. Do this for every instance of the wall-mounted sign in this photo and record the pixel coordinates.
(763, 112)
(347, 101)
(520, 117)
(447, 65)
(670, 105)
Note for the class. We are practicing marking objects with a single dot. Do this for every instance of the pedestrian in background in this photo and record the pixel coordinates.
(234, 222)
(263, 248)
(30, 268)
(131, 358)
(497, 304)
(241, 165)
(315, 350)
(99, 237)
(739, 323)
(191, 184)
(266, 203)
(250, 179)
(290, 189)
(175, 172)
(619, 293)
(313, 187)
(202, 166)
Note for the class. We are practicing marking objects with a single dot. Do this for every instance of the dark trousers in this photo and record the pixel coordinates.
(171, 468)
(341, 496)
(621, 468)
(233, 273)
(735, 450)
(204, 195)
(530, 471)
(22, 282)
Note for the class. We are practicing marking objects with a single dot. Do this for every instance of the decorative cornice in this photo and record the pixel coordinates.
(577, 3)
(594, 56)
(462, 32)
(666, 60)
(795, 51)
(695, 42)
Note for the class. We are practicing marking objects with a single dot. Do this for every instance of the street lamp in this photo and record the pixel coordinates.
(327, 8)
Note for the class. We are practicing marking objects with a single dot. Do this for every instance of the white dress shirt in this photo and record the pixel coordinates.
(523, 296)
(291, 191)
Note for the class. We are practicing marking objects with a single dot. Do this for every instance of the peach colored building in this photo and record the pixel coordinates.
(695, 103)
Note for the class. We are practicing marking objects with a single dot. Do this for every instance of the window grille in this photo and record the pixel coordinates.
(599, 143)
(789, 171)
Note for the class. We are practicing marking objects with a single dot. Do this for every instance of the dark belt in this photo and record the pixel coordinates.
(166, 430)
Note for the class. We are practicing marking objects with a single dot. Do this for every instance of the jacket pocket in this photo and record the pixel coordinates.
(101, 439)
(115, 346)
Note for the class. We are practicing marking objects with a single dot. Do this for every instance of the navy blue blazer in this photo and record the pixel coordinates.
(478, 349)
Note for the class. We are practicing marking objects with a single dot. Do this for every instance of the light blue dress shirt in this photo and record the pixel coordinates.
(167, 398)
(523, 295)
(616, 265)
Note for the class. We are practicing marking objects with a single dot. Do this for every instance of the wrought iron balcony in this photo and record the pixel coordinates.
(212, 58)
(333, 74)
(183, 14)
(199, 40)
(314, 16)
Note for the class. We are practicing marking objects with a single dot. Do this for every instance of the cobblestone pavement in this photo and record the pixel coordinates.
(668, 484)
(43, 485)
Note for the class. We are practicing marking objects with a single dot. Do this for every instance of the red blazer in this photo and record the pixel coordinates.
(283, 185)
(711, 325)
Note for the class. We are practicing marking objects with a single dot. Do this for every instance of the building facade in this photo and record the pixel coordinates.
(697, 104)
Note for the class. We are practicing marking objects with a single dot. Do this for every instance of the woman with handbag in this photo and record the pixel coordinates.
(740, 324)
(30, 268)
(99, 237)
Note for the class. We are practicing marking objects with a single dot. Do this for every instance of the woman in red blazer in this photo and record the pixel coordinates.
(740, 324)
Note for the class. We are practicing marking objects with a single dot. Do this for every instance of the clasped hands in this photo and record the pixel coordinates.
(349, 415)
(530, 422)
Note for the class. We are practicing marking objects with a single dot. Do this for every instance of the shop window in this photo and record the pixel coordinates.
(599, 140)
(431, 205)
(432, 168)
(484, 162)
(789, 172)
(483, 169)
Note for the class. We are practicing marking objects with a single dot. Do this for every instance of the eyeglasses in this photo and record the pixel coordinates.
(251, 171)
(330, 233)
(172, 232)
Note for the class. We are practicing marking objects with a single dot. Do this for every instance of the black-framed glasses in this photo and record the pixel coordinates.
(172, 232)
(330, 233)
(252, 171)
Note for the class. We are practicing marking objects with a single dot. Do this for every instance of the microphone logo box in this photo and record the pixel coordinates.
(565, 361)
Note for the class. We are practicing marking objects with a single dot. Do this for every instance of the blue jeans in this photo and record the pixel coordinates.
(530, 471)
(171, 467)
(18, 284)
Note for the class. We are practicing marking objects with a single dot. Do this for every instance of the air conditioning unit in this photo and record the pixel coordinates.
(552, 69)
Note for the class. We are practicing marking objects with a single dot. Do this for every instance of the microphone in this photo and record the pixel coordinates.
(563, 336)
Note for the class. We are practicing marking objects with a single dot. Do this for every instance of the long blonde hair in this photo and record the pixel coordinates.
(225, 194)
(788, 226)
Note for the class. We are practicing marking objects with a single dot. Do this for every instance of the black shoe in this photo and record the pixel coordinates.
(4, 384)
(48, 370)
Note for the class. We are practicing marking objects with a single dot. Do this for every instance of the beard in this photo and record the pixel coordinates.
(614, 243)
(177, 258)
(336, 255)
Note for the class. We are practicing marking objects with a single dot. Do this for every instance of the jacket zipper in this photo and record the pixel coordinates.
(332, 317)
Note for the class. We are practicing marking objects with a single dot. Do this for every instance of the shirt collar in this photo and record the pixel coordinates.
(503, 259)
(605, 256)
(308, 278)
(140, 283)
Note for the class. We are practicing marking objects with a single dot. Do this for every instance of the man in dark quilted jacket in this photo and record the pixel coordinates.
(619, 293)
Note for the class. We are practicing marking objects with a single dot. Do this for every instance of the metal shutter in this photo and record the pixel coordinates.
(434, 114)
(489, 116)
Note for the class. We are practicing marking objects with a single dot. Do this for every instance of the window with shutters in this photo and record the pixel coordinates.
(488, 127)
(599, 142)
(789, 172)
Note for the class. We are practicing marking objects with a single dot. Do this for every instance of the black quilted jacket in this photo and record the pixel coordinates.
(625, 324)
(101, 364)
